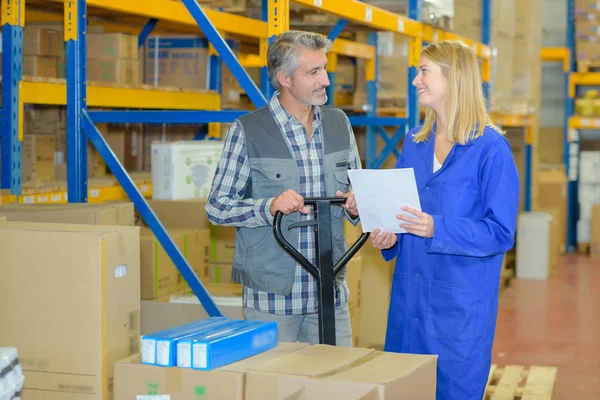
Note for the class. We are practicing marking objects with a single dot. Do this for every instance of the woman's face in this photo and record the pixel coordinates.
(431, 84)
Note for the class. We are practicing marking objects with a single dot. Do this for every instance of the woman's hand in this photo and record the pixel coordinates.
(383, 240)
(420, 225)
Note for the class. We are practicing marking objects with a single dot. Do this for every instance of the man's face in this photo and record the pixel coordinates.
(307, 84)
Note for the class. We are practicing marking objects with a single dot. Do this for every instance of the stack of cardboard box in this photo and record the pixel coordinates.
(43, 52)
(113, 58)
(587, 33)
(82, 313)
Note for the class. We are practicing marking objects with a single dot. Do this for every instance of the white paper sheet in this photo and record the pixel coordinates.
(380, 195)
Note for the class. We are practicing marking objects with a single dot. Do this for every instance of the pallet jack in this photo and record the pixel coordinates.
(325, 271)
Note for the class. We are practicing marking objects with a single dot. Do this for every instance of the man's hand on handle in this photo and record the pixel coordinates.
(288, 202)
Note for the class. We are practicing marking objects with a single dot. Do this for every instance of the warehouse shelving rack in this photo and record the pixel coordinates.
(167, 107)
(573, 123)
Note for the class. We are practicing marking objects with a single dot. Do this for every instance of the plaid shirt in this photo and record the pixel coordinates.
(227, 206)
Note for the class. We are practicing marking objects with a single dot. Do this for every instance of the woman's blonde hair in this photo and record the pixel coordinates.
(465, 103)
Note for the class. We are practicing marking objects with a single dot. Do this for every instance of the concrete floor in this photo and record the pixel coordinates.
(555, 323)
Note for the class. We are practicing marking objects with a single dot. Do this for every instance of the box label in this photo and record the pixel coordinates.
(148, 351)
(163, 352)
(184, 355)
(200, 356)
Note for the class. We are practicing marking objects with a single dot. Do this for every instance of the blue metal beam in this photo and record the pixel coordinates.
(486, 35)
(148, 215)
(528, 163)
(165, 117)
(225, 53)
(12, 67)
(389, 147)
(331, 88)
(146, 31)
(414, 12)
(573, 179)
(337, 29)
(77, 164)
(266, 88)
(372, 107)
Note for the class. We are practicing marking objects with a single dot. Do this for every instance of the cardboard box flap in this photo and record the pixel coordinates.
(281, 350)
(54, 227)
(384, 368)
(313, 361)
(80, 213)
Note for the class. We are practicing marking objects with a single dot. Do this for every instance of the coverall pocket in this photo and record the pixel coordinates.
(451, 312)
(455, 201)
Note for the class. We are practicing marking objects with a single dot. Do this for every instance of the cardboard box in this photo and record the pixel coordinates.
(181, 214)
(552, 192)
(122, 72)
(551, 146)
(376, 284)
(345, 78)
(220, 272)
(180, 61)
(113, 213)
(38, 171)
(354, 272)
(85, 313)
(583, 7)
(124, 145)
(42, 42)
(133, 379)
(324, 372)
(42, 66)
(112, 46)
(184, 170)
(527, 76)
(595, 232)
(159, 275)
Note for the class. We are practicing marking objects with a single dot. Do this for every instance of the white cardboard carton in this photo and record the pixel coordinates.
(184, 170)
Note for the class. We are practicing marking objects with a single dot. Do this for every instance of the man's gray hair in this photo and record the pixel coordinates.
(283, 51)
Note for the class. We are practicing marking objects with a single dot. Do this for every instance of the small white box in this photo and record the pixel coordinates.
(533, 245)
(184, 170)
(584, 230)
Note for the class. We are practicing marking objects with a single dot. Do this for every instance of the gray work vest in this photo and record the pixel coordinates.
(259, 262)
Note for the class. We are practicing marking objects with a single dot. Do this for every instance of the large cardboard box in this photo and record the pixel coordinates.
(527, 68)
(135, 380)
(113, 213)
(112, 46)
(551, 146)
(184, 170)
(327, 372)
(122, 72)
(42, 42)
(595, 232)
(354, 272)
(552, 192)
(42, 66)
(82, 311)
(181, 214)
(124, 145)
(180, 61)
(159, 275)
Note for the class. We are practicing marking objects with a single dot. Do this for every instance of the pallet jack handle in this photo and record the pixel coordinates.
(325, 271)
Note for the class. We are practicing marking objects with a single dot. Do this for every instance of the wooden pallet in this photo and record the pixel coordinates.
(588, 66)
(517, 382)
(583, 249)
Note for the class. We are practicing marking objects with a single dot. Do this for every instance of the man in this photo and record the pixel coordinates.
(273, 158)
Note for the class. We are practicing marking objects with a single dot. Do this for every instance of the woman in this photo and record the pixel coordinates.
(445, 286)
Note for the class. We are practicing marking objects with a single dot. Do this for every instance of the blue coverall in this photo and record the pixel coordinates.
(444, 298)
